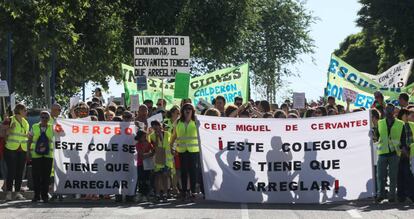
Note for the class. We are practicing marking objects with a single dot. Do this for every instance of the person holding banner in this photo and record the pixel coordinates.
(163, 160)
(186, 136)
(391, 137)
(41, 151)
(405, 178)
(15, 151)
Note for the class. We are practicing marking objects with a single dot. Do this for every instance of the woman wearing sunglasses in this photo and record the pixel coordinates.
(41, 151)
(185, 136)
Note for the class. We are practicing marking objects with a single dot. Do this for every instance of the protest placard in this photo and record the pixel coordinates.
(13, 101)
(94, 157)
(161, 56)
(299, 100)
(287, 160)
(4, 89)
(73, 101)
(142, 83)
(182, 85)
(134, 103)
(349, 95)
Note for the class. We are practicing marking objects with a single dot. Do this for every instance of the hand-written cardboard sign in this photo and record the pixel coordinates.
(161, 56)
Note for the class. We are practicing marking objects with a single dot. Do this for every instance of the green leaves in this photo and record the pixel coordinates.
(93, 37)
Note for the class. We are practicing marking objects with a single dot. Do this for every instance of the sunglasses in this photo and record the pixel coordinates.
(44, 117)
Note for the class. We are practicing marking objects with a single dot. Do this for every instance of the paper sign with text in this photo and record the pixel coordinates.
(161, 56)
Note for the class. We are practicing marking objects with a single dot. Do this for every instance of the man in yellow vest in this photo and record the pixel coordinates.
(15, 152)
(391, 135)
(41, 151)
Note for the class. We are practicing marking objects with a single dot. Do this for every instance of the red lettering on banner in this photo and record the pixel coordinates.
(75, 129)
(252, 128)
(214, 126)
(95, 129)
(128, 131)
(85, 129)
(107, 130)
(338, 125)
(291, 127)
(117, 131)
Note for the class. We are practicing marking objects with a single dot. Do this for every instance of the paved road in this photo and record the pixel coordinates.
(201, 209)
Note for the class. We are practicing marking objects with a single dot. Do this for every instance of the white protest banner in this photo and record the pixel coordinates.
(311, 160)
(396, 76)
(94, 157)
(4, 89)
(161, 56)
(299, 100)
(134, 106)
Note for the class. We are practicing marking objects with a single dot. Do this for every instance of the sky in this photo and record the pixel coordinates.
(336, 20)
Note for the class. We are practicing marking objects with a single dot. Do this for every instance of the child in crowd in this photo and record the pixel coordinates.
(145, 151)
(163, 159)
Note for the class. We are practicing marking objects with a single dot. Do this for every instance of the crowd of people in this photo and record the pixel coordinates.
(172, 144)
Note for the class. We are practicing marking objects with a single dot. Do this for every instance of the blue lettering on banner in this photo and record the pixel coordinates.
(335, 91)
(361, 100)
(228, 91)
(220, 89)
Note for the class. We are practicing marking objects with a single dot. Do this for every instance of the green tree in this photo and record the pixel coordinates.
(92, 38)
(386, 37)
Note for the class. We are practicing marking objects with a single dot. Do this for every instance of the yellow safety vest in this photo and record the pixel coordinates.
(169, 124)
(187, 139)
(169, 159)
(36, 134)
(389, 143)
(18, 135)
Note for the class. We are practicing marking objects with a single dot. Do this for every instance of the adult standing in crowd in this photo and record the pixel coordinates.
(405, 178)
(391, 135)
(220, 103)
(238, 101)
(403, 99)
(41, 151)
(186, 137)
(15, 151)
(98, 94)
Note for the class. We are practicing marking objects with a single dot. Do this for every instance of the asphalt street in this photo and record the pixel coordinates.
(73, 208)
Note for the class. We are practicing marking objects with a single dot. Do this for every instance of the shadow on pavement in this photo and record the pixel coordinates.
(362, 205)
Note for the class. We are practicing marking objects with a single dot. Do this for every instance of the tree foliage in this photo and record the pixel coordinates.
(91, 38)
(386, 37)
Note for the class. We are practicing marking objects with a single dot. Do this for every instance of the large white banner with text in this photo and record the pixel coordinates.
(310, 160)
(94, 157)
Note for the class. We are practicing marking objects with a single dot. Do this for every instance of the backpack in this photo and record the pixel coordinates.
(42, 144)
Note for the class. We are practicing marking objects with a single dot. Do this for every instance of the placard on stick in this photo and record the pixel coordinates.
(134, 100)
(182, 85)
(142, 83)
(349, 94)
(299, 100)
(4, 89)
(161, 56)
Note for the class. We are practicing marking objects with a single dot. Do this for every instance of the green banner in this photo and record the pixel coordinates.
(342, 76)
(228, 82)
